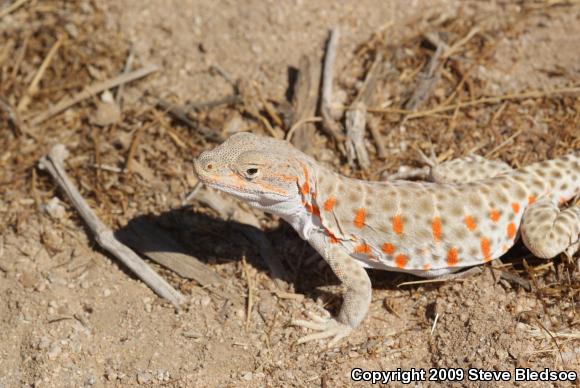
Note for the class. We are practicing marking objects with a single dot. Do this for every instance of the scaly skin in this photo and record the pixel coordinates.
(472, 213)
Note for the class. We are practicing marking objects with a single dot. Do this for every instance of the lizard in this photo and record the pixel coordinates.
(470, 212)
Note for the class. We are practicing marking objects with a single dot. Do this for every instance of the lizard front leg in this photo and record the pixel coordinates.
(357, 299)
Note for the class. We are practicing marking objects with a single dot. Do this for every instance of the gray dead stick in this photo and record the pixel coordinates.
(304, 104)
(356, 114)
(156, 244)
(427, 80)
(329, 124)
(54, 164)
(152, 241)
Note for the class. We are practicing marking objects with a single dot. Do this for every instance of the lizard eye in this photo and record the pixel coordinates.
(251, 172)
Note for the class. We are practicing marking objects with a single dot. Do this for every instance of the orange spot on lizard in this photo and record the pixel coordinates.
(426, 267)
(388, 248)
(485, 249)
(516, 207)
(511, 230)
(494, 215)
(452, 257)
(312, 209)
(470, 223)
(436, 228)
(331, 237)
(398, 224)
(401, 260)
(305, 188)
(359, 219)
(362, 248)
(531, 199)
(329, 204)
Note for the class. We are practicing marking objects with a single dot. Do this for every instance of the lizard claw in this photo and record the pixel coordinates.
(326, 327)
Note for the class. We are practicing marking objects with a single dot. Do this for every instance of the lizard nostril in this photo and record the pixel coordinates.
(209, 166)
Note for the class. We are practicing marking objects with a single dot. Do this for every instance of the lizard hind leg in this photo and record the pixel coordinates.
(356, 301)
(548, 231)
(468, 169)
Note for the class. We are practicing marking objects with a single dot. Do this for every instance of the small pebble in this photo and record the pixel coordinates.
(111, 376)
(205, 301)
(143, 377)
(54, 208)
(53, 352)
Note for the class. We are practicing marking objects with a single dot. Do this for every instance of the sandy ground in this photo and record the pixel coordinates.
(70, 315)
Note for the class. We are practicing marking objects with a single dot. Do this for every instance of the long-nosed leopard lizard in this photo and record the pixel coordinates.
(472, 212)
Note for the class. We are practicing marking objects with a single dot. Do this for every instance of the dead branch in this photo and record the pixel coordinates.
(156, 244)
(356, 116)
(329, 124)
(427, 81)
(304, 102)
(54, 164)
(355, 124)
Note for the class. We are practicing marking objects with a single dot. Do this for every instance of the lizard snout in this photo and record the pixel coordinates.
(204, 164)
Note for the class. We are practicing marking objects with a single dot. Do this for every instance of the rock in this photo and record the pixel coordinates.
(54, 208)
(107, 112)
(143, 377)
(29, 280)
(53, 352)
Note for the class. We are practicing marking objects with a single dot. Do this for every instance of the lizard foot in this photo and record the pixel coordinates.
(326, 327)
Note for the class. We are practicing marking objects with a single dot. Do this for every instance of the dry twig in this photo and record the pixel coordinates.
(92, 90)
(54, 164)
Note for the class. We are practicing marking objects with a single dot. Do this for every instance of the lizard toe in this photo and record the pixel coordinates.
(327, 328)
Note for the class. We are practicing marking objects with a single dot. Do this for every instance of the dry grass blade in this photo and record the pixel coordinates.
(33, 88)
(11, 8)
(92, 90)
(481, 101)
(250, 300)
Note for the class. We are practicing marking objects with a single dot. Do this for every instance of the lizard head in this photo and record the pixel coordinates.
(260, 170)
